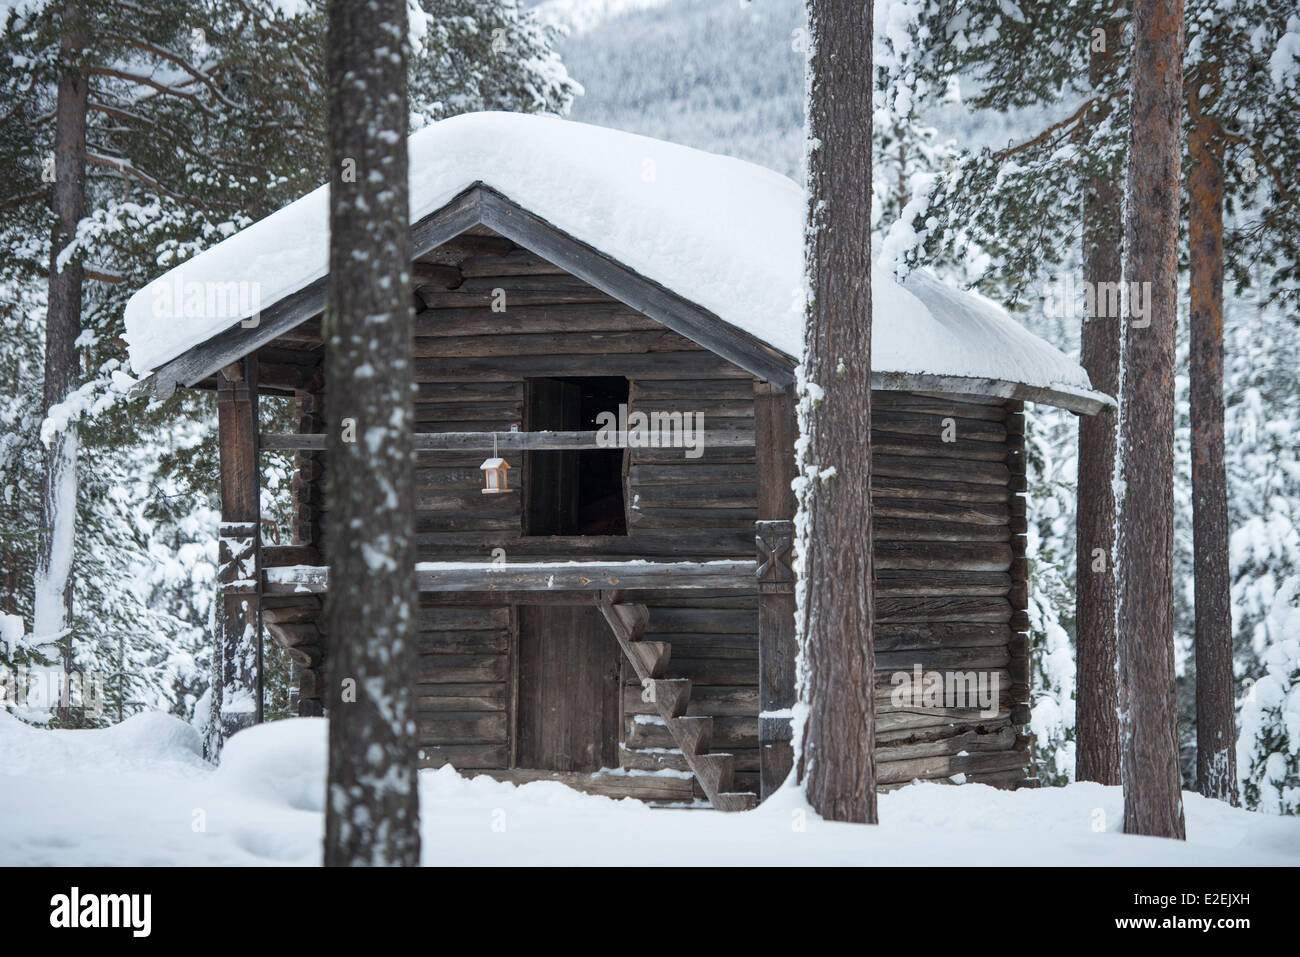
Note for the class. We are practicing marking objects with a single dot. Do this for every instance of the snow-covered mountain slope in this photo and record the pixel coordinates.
(720, 75)
(714, 74)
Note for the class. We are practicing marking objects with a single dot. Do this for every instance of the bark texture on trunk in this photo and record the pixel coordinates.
(1216, 737)
(52, 612)
(837, 754)
(1097, 743)
(372, 809)
(1153, 803)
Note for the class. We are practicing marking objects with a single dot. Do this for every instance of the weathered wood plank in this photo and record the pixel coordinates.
(665, 365)
(891, 772)
(935, 427)
(729, 731)
(718, 518)
(670, 390)
(949, 556)
(913, 446)
(775, 434)
(931, 405)
(460, 669)
(896, 583)
(436, 617)
(648, 544)
(539, 576)
(518, 319)
(978, 513)
(519, 290)
(694, 471)
(238, 696)
(595, 344)
(507, 441)
(463, 643)
(469, 727)
(978, 485)
(947, 608)
(701, 497)
(705, 700)
(888, 529)
(463, 756)
(644, 787)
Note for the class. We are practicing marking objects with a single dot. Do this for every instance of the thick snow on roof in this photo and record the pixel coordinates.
(720, 232)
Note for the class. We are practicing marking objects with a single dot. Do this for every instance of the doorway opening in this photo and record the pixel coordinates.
(578, 492)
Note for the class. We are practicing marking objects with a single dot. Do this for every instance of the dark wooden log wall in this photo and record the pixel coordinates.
(951, 572)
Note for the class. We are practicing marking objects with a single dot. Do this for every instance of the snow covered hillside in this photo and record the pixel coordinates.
(138, 793)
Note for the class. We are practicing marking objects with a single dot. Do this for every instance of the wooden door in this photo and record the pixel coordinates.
(568, 689)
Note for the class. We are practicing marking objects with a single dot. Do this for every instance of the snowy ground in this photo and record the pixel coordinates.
(139, 793)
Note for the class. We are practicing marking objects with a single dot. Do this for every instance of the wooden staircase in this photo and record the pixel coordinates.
(671, 697)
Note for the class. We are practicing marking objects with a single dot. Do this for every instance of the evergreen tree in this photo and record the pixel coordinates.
(1229, 86)
(835, 598)
(1027, 195)
(201, 117)
(1153, 803)
(372, 808)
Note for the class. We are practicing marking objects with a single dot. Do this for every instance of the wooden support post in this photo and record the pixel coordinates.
(238, 691)
(1019, 593)
(775, 432)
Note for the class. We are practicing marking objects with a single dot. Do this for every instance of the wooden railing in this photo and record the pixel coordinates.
(539, 576)
(517, 441)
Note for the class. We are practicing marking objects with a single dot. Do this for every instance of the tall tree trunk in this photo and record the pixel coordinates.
(1216, 737)
(1097, 743)
(52, 612)
(1153, 801)
(837, 761)
(372, 810)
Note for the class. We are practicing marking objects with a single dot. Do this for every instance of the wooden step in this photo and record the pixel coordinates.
(656, 759)
(652, 657)
(693, 735)
(642, 787)
(669, 696)
(634, 619)
(735, 801)
(716, 772)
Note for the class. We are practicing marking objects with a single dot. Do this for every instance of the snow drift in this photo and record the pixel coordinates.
(138, 793)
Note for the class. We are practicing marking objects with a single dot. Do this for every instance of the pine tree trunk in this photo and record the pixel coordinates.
(1216, 738)
(837, 757)
(372, 811)
(1153, 803)
(52, 612)
(1097, 748)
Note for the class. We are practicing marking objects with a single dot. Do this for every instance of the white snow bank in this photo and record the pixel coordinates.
(283, 762)
(147, 741)
(724, 234)
(138, 794)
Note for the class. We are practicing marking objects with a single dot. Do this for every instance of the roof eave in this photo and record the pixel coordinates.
(480, 204)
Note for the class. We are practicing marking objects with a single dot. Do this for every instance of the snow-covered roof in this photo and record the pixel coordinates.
(722, 233)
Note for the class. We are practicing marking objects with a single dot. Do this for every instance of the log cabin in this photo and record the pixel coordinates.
(621, 615)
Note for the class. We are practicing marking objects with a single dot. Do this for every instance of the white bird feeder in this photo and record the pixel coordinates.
(494, 473)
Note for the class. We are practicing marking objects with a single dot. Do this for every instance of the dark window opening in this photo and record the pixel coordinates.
(578, 492)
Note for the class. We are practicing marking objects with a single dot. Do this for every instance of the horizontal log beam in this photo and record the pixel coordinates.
(539, 576)
(513, 441)
(646, 787)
